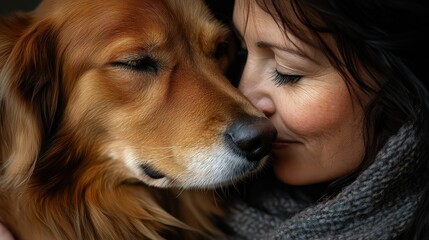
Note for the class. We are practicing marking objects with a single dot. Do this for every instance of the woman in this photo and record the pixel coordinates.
(344, 84)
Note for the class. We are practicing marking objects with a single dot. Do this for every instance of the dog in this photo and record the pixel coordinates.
(117, 121)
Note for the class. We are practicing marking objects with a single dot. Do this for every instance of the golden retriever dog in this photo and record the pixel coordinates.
(116, 119)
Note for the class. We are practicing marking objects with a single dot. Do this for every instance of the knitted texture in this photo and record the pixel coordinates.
(377, 205)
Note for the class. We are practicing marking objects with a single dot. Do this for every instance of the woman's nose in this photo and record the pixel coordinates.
(266, 106)
(258, 92)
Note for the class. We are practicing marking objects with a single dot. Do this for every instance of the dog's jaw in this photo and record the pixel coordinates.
(218, 166)
(134, 165)
(206, 168)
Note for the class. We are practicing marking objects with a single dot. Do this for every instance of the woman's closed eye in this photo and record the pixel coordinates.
(281, 79)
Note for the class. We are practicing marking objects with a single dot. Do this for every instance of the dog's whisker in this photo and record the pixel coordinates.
(166, 147)
(180, 192)
(159, 158)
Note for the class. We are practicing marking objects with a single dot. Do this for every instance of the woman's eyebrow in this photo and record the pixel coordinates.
(263, 44)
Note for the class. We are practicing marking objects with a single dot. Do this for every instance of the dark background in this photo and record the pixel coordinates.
(221, 7)
(8, 6)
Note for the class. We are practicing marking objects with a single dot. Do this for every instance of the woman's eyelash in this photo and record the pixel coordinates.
(281, 79)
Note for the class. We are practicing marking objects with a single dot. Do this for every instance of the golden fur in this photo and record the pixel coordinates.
(91, 93)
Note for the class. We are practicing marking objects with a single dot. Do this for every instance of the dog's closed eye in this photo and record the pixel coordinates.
(145, 64)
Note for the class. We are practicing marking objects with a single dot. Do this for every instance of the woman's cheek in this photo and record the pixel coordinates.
(312, 111)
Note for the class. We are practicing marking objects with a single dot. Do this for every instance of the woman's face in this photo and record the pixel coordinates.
(319, 123)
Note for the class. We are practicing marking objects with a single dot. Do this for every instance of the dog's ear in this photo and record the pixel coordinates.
(36, 71)
(29, 94)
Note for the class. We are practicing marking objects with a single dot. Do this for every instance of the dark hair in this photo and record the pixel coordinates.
(383, 39)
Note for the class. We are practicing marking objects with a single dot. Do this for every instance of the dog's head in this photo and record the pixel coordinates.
(136, 86)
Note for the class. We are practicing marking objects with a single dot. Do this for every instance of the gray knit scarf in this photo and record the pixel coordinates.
(377, 205)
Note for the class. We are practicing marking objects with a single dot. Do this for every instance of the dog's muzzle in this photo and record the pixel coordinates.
(251, 137)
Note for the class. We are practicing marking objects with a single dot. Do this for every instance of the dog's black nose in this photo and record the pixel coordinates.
(251, 137)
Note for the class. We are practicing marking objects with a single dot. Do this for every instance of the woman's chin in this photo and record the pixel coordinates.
(295, 174)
